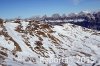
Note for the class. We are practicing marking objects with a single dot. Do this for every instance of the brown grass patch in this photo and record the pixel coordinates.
(38, 43)
(17, 45)
(54, 39)
(41, 33)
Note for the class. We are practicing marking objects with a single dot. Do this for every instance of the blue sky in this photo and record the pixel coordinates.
(28, 8)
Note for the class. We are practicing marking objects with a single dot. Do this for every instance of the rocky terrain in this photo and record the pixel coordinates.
(31, 43)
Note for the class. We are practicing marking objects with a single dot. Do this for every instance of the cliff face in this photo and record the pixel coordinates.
(25, 43)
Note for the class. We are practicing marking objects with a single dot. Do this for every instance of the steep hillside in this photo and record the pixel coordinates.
(32, 43)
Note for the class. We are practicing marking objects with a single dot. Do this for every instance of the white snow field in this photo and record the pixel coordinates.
(31, 44)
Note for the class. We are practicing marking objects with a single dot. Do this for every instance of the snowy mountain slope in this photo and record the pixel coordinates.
(25, 43)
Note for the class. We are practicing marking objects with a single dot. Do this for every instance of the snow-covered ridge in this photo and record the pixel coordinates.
(24, 43)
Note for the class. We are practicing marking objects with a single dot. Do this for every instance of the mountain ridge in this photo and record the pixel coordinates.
(24, 43)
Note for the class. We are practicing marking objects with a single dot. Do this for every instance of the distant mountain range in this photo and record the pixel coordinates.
(86, 19)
